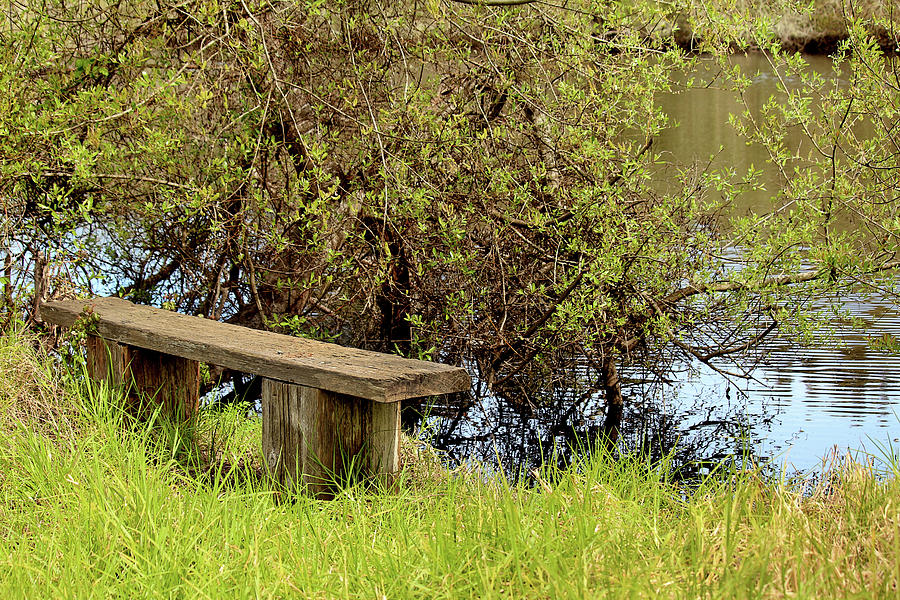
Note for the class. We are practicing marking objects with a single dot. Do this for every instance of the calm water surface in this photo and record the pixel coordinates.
(801, 403)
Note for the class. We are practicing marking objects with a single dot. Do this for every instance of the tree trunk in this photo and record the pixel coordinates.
(8, 304)
(612, 389)
(394, 301)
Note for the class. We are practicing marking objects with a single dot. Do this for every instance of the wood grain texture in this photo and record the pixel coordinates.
(316, 438)
(282, 439)
(150, 378)
(106, 361)
(359, 373)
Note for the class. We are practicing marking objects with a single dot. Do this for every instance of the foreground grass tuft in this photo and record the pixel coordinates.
(93, 507)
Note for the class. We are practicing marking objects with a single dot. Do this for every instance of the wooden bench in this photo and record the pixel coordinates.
(325, 408)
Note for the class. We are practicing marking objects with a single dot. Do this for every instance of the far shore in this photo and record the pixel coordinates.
(819, 32)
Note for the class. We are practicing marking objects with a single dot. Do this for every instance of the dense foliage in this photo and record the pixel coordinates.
(446, 180)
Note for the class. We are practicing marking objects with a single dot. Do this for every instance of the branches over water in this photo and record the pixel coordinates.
(443, 181)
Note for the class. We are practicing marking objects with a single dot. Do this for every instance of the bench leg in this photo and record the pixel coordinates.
(152, 378)
(316, 438)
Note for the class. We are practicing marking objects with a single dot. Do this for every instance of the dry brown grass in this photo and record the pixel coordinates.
(852, 526)
(843, 539)
(32, 391)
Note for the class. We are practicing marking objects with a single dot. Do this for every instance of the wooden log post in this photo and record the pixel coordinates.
(316, 439)
(151, 379)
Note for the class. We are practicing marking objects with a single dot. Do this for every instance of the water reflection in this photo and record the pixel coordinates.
(800, 403)
(498, 434)
(842, 396)
(700, 113)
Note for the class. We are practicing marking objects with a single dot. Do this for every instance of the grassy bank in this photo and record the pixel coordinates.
(91, 508)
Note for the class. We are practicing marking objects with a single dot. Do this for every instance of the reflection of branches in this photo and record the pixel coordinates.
(497, 432)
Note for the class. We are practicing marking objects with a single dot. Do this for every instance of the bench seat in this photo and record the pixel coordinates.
(325, 407)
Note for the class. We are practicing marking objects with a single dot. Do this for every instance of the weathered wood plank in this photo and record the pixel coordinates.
(385, 440)
(359, 373)
(150, 378)
(282, 440)
(326, 437)
(106, 361)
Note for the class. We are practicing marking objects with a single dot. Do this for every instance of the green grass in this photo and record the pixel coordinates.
(92, 507)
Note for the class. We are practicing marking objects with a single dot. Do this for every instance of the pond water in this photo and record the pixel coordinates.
(801, 404)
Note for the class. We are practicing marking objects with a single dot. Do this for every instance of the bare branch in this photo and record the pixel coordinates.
(148, 283)
(495, 2)
(733, 286)
(510, 350)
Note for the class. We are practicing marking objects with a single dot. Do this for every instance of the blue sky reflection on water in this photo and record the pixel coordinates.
(802, 402)
(817, 400)
(843, 394)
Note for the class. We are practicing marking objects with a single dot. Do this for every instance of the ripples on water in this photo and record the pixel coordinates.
(802, 403)
(799, 406)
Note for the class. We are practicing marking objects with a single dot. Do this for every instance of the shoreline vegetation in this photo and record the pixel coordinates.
(817, 27)
(93, 507)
